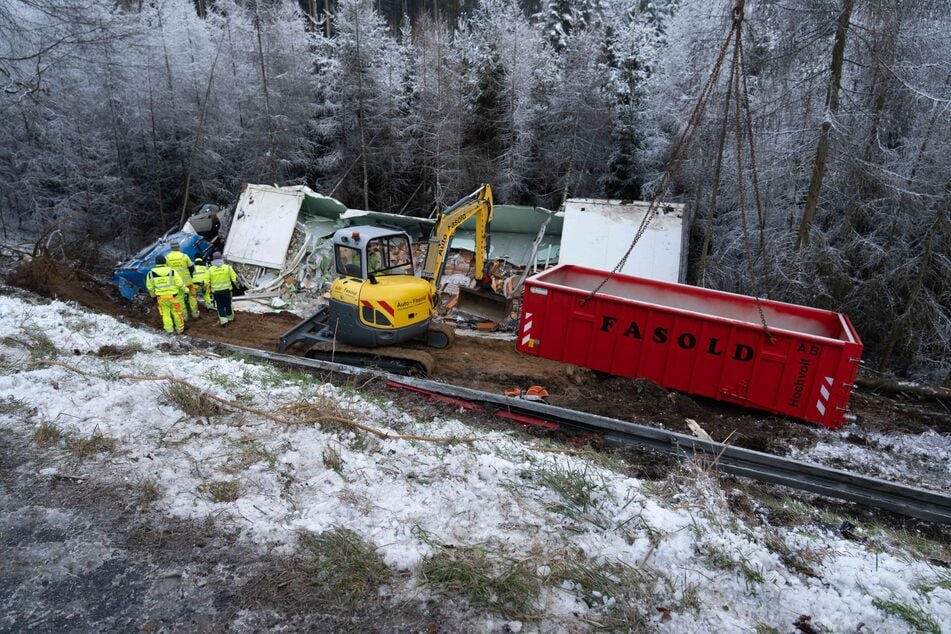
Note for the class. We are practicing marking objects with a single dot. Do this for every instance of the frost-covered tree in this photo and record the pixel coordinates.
(879, 237)
(502, 54)
(363, 69)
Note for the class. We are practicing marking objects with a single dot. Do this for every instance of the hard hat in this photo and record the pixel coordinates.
(216, 255)
(198, 260)
(175, 244)
(160, 259)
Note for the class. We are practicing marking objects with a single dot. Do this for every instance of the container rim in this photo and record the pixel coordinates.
(851, 335)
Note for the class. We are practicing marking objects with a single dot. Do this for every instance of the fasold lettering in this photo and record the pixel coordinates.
(685, 340)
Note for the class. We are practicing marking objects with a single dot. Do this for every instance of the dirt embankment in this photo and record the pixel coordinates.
(494, 365)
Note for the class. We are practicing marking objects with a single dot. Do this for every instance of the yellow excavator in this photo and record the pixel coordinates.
(378, 303)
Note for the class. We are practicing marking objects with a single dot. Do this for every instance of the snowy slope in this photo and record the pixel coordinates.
(701, 566)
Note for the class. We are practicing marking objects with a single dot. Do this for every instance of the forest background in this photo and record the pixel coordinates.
(117, 119)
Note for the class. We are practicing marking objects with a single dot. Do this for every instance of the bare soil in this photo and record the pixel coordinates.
(494, 365)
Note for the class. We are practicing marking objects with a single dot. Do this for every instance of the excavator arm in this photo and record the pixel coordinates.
(478, 302)
(478, 204)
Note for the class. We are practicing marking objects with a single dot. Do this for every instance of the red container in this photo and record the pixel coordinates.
(696, 340)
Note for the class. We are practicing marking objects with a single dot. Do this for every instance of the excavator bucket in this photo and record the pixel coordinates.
(484, 304)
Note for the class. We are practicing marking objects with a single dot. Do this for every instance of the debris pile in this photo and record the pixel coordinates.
(278, 239)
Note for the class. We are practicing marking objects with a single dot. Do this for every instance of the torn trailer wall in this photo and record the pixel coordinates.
(597, 234)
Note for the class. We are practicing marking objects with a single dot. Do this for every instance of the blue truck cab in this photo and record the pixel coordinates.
(130, 275)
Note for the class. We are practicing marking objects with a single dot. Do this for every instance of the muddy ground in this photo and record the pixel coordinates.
(494, 365)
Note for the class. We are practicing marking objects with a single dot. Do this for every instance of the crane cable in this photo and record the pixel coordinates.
(740, 92)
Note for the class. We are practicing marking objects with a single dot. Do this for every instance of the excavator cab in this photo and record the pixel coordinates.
(370, 252)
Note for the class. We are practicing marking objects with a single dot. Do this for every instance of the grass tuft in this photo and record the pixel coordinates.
(84, 448)
(800, 561)
(223, 379)
(41, 346)
(348, 567)
(500, 583)
(920, 621)
(247, 452)
(332, 459)
(273, 376)
(319, 407)
(223, 491)
(194, 404)
(619, 590)
(47, 434)
(120, 352)
(15, 407)
(574, 486)
(943, 580)
(719, 559)
(147, 491)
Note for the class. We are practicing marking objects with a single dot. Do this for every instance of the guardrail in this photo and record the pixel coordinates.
(899, 498)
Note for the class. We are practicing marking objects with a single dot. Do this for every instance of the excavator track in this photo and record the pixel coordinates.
(398, 360)
(440, 335)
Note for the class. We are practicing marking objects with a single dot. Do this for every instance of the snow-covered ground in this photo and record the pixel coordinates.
(683, 559)
(918, 459)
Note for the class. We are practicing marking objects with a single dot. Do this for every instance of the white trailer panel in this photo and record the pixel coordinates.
(262, 226)
(597, 233)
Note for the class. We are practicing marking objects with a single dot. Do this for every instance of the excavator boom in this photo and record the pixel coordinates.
(478, 204)
(482, 302)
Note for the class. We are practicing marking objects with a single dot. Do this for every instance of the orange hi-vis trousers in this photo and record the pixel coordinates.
(189, 296)
(170, 308)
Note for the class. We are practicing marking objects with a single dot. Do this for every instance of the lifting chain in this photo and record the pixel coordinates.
(738, 89)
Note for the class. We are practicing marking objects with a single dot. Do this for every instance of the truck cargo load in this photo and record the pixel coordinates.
(696, 340)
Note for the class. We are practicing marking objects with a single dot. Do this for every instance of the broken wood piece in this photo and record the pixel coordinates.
(697, 430)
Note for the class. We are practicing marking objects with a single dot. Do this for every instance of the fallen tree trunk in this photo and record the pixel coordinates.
(899, 389)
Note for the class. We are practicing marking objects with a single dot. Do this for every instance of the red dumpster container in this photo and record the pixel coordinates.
(696, 340)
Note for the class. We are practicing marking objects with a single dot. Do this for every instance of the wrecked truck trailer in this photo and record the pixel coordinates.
(129, 276)
(705, 342)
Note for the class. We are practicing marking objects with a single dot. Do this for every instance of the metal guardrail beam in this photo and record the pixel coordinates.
(899, 498)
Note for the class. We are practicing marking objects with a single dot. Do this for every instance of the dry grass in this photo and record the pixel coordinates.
(221, 492)
(15, 407)
(41, 346)
(194, 404)
(800, 561)
(620, 591)
(47, 434)
(147, 492)
(96, 443)
(485, 580)
(318, 407)
(332, 459)
(119, 352)
(247, 452)
(347, 567)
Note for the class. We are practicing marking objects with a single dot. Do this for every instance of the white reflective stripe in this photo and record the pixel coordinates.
(821, 407)
(824, 392)
(539, 291)
(528, 315)
(527, 327)
(829, 380)
(526, 339)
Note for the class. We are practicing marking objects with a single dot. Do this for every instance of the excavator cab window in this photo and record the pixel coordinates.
(390, 255)
(348, 261)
